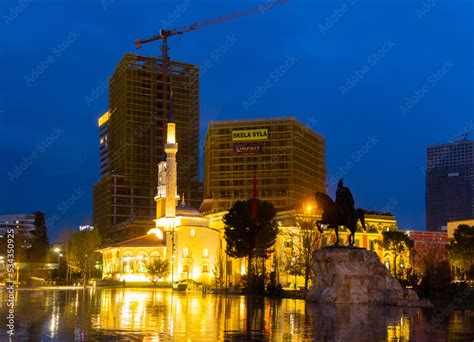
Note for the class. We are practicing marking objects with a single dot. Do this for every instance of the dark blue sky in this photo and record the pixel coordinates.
(380, 80)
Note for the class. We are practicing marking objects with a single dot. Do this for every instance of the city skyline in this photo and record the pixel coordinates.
(389, 92)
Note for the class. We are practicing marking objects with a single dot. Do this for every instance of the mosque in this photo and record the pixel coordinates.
(194, 242)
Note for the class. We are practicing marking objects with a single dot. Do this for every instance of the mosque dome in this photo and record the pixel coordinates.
(186, 210)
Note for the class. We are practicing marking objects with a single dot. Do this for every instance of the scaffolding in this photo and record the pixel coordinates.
(290, 163)
(136, 134)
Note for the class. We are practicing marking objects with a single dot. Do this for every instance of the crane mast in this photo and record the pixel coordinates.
(165, 34)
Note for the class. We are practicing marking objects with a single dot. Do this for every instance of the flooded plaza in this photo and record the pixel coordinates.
(163, 315)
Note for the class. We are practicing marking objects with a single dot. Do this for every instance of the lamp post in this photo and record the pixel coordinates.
(58, 251)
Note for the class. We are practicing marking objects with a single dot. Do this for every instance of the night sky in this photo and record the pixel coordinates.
(380, 80)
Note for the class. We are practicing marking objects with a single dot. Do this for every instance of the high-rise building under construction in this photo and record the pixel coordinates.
(132, 139)
(287, 158)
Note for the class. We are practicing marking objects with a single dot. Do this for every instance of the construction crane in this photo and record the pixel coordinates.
(165, 34)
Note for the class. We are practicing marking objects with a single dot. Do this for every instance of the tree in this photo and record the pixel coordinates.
(251, 238)
(411, 278)
(397, 243)
(461, 248)
(158, 269)
(39, 244)
(294, 264)
(218, 269)
(436, 278)
(308, 240)
(80, 251)
(65, 235)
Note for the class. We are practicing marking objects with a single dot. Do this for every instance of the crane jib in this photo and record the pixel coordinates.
(206, 23)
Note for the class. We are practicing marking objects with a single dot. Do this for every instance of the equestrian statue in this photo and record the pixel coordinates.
(339, 213)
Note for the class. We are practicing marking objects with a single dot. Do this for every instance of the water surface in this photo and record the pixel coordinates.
(161, 315)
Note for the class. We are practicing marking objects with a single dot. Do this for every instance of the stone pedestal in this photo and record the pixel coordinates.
(349, 275)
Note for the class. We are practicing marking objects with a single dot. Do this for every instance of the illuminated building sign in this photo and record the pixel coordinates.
(104, 118)
(247, 149)
(250, 134)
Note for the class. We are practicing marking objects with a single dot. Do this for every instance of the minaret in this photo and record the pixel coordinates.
(171, 148)
(167, 194)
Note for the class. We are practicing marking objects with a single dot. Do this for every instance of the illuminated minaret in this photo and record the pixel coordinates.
(171, 148)
(167, 196)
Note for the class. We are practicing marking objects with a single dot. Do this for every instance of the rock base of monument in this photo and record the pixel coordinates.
(350, 275)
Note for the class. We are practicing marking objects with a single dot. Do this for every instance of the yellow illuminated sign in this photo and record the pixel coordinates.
(104, 118)
(250, 134)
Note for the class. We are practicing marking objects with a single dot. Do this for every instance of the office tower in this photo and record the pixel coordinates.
(23, 226)
(449, 183)
(134, 132)
(288, 158)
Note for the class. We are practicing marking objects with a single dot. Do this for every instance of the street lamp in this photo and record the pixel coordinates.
(58, 251)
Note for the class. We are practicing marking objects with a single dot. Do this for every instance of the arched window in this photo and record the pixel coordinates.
(141, 261)
(155, 255)
(127, 262)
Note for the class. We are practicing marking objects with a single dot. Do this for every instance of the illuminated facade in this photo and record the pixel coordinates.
(376, 223)
(194, 243)
(200, 237)
(453, 225)
(459, 268)
(104, 143)
(427, 245)
(288, 157)
(181, 234)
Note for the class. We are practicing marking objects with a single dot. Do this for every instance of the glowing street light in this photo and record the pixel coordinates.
(58, 251)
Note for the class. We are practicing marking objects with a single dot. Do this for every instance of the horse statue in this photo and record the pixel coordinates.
(340, 213)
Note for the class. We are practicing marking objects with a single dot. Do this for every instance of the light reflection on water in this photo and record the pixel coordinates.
(161, 315)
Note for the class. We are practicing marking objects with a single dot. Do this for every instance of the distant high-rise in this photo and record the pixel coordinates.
(449, 183)
(104, 143)
(132, 139)
(23, 225)
(289, 160)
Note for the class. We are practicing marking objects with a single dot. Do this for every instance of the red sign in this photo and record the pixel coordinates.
(248, 149)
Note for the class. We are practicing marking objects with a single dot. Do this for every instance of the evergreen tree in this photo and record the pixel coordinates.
(251, 238)
(39, 244)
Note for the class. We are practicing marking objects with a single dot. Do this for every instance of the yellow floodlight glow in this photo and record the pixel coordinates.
(168, 223)
(104, 118)
(157, 232)
(133, 278)
(171, 137)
